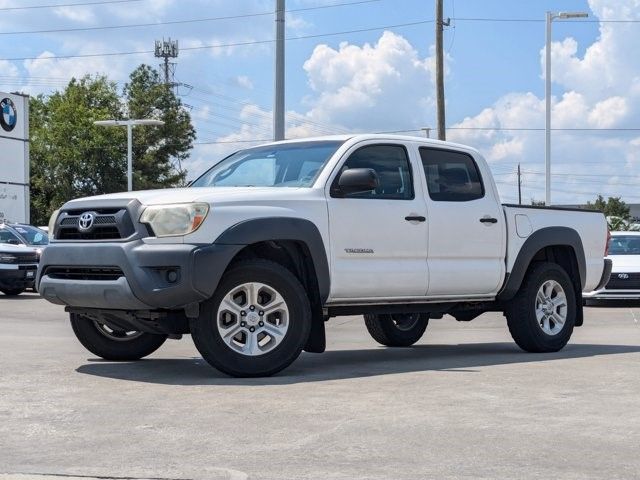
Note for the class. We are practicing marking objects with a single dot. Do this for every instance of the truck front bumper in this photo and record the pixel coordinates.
(17, 276)
(132, 275)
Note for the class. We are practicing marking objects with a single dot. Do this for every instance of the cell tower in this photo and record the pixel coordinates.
(167, 49)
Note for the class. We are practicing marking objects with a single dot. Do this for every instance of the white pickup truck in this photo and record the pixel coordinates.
(272, 241)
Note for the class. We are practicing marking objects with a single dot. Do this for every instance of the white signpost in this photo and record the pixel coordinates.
(14, 158)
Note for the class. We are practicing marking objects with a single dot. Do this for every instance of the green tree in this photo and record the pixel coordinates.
(612, 207)
(71, 157)
(159, 151)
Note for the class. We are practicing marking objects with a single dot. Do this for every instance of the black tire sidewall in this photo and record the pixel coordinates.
(538, 340)
(97, 343)
(12, 292)
(384, 330)
(216, 352)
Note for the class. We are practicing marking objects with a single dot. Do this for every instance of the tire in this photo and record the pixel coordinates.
(281, 320)
(12, 292)
(523, 312)
(114, 344)
(396, 330)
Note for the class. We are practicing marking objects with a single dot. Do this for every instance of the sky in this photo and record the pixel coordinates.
(368, 66)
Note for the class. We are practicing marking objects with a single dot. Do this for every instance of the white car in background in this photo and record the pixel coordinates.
(624, 282)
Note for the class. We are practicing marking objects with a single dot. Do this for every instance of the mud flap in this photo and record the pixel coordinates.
(317, 341)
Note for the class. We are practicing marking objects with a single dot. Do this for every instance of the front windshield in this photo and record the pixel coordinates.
(286, 165)
(624, 245)
(7, 236)
(32, 235)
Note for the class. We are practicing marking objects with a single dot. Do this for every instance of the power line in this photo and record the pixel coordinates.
(575, 192)
(221, 45)
(538, 20)
(180, 22)
(58, 5)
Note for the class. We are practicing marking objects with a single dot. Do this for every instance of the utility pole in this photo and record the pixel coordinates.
(427, 131)
(440, 24)
(519, 186)
(278, 107)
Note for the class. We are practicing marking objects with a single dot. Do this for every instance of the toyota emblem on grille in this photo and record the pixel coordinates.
(86, 221)
(623, 276)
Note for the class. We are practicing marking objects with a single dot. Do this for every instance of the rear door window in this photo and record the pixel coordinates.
(451, 176)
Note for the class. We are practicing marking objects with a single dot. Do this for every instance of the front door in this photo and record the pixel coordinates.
(379, 237)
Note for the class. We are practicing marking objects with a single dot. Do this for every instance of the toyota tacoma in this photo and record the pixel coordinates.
(272, 241)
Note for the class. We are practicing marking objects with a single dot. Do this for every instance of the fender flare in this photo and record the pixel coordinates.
(545, 237)
(265, 229)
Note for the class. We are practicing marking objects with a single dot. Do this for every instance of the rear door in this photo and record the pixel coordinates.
(466, 225)
(379, 237)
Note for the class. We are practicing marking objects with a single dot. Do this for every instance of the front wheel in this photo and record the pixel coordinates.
(542, 315)
(397, 329)
(114, 344)
(257, 321)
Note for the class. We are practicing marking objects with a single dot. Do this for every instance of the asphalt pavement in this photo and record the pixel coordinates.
(465, 403)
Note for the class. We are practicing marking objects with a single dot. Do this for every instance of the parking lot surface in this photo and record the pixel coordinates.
(464, 403)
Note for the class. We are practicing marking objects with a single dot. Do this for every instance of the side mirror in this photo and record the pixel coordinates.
(13, 241)
(357, 180)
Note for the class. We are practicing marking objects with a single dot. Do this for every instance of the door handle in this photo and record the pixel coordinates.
(415, 218)
(489, 220)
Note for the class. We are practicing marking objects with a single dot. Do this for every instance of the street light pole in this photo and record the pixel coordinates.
(547, 94)
(129, 124)
(547, 124)
(129, 157)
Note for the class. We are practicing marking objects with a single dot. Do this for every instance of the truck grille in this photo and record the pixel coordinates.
(84, 273)
(623, 281)
(20, 258)
(107, 224)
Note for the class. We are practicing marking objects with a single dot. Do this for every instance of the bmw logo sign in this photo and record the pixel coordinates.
(8, 114)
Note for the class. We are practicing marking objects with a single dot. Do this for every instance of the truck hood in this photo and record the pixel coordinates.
(9, 248)
(203, 194)
(625, 263)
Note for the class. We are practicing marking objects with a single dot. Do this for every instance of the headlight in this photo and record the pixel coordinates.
(5, 258)
(52, 222)
(177, 219)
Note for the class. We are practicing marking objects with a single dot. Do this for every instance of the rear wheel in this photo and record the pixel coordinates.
(257, 321)
(12, 292)
(542, 315)
(397, 329)
(114, 344)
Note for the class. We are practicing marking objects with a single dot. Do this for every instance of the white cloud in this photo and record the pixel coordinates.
(63, 69)
(295, 23)
(75, 14)
(244, 82)
(609, 113)
(370, 87)
(8, 69)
